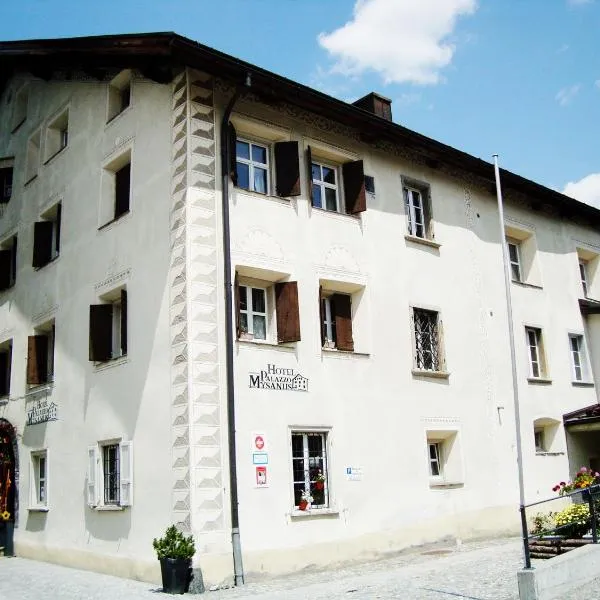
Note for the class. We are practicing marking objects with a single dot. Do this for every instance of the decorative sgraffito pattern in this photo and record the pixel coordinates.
(198, 500)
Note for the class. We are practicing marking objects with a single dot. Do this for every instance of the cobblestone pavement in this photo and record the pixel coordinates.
(474, 571)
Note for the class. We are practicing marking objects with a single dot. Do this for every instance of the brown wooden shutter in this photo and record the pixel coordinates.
(309, 165)
(232, 152)
(287, 169)
(122, 190)
(58, 226)
(101, 316)
(5, 269)
(354, 187)
(13, 259)
(321, 317)
(37, 359)
(123, 322)
(288, 312)
(4, 373)
(236, 305)
(6, 179)
(42, 243)
(342, 309)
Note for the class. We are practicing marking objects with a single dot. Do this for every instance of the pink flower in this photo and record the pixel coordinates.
(562, 484)
(556, 488)
(583, 470)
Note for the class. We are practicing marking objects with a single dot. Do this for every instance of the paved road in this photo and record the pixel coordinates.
(475, 571)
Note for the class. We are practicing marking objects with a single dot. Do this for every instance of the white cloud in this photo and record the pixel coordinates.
(579, 2)
(586, 190)
(563, 49)
(567, 94)
(403, 40)
(597, 83)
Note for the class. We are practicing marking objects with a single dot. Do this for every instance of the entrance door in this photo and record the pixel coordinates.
(7, 486)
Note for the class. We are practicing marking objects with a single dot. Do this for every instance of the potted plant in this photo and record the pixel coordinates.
(175, 552)
(305, 500)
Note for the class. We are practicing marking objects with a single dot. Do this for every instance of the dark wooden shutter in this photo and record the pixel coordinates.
(123, 322)
(6, 178)
(354, 187)
(321, 317)
(342, 309)
(58, 226)
(13, 264)
(122, 190)
(101, 316)
(309, 165)
(4, 373)
(287, 169)
(37, 359)
(5, 269)
(236, 305)
(288, 312)
(232, 152)
(42, 243)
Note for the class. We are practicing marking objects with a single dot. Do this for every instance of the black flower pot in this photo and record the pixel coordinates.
(176, 574)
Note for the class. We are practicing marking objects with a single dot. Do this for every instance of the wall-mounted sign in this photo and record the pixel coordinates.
(261, 477)
(41, 411)
(354, 473)
(259, 442)
(279, 378)
(260, 458)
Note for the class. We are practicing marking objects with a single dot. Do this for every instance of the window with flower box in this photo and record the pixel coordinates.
(310, 470)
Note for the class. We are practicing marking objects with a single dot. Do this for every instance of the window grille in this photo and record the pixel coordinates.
(111, 471)
(427, 340)
(309, 464)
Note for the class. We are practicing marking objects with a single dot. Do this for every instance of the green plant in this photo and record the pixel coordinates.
(174, 545)
(583, 479)
(574, 520)
(543, 523)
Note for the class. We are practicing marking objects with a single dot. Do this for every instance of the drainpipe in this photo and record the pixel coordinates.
(238, 566)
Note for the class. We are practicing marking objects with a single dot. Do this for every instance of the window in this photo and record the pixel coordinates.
(537, 360)
(8, 263)
(119, 94)
(540, 443)
(326, 179)
(39, 479)
(108, 327)
(546, 436)
(336, 321)
(57, 135)
(257, 300)
(40, 355)
(116, 189)
(415, 212)
(435, 464)
(5, 367)
(252, 166)
(110, 474)
(428, 354)
(583, 276)
(514, 259)
(6, 179)
(310, 469)
(46, 237)
(20, 108)
(579, 360)
(33, 156)
(444, 458)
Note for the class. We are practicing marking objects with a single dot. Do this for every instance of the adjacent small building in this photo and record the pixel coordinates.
(365, 400)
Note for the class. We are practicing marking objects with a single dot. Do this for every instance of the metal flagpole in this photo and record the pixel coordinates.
(513, 361)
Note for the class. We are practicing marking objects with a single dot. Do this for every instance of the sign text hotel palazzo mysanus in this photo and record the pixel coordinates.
(278, 378)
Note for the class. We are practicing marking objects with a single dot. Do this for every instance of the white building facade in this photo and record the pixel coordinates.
(371, 365)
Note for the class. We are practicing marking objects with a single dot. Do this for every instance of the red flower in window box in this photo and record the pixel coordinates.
(319, 485)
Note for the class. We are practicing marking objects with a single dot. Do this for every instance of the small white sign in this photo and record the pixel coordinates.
(259, 442)
(260, 458)
(354, 473)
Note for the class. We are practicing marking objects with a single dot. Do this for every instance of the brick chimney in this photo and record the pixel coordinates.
(376, 104)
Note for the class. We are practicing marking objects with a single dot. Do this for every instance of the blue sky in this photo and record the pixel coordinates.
(520, 78)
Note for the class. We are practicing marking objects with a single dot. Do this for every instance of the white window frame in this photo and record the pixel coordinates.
(539, 440)
(436, 460)
(49, 330)
(250, 312)
(325, 435)
(514, 263)
(328, 321)
(95, 475)
(411, 205)
(583, 276)
(252, 164)
(35, 481)
(438, 365)
(324, 185)
(117, 350)
(537, 349)
(579, 359)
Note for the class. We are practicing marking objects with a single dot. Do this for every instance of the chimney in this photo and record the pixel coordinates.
(376, 104)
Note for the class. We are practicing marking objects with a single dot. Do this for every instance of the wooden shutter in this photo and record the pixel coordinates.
(122, 190)
(13, 261)
(123, 322)
(288, 312)
(342, 309)
(236, 305)
(101, 316)
(4, 373)
(5, 269)
(6, 178)
(321, 317)
(309, 165)
(58, 226)
(287, 169)
(428, 221)
(37, 359)
(126, 474)
(42, 243)
(92, 496)
(232, 152)
(354, 187)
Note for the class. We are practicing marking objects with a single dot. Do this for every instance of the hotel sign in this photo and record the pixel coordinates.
(278, 378)
(41, 411)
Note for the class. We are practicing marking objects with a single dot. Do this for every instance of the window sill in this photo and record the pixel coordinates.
(41, 387)
(49, 160)
(51, 262)
(419, 240)
(544, 453)
(335, 214)
(583, 383)
(108, 508)
(39, 509)
(116, 117)
(539, 380)
(285, 200)
(432, 374)
(314, 513)
(527, 285)
(344, 353)
(445, 484)
(109, 364)
(114, 221)
(267, 344)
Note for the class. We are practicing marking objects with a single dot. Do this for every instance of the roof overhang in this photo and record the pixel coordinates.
(583, 419)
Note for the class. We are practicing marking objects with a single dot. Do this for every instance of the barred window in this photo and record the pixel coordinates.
(309, 463)
(111, 471)
(428, 355)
